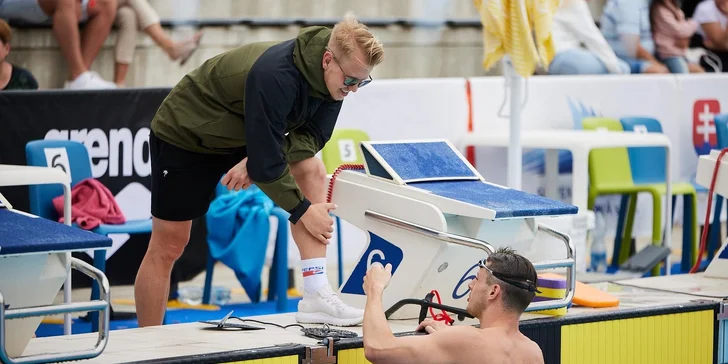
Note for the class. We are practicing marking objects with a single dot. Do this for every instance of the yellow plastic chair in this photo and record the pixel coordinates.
(610, 173)
(342, 148)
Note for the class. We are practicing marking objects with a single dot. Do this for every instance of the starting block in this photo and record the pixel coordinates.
(708, 165)
(34, 265)
(430, 214)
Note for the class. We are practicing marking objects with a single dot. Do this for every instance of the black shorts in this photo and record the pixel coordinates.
(184, 182)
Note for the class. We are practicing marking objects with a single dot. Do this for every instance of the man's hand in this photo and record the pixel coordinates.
(431, 326)
(237, 177)
(377, 278)
(318, 222)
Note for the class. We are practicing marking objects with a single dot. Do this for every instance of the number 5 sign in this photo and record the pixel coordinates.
(58, 158)
(347, 150)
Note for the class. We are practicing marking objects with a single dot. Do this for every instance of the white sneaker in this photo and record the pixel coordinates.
(325, 307)
(89, 80)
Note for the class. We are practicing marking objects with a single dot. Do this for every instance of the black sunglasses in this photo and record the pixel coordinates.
(514, 281)
(348, 80)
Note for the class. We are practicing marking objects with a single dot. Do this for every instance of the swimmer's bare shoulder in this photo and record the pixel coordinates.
(532, 353)
(500, 348)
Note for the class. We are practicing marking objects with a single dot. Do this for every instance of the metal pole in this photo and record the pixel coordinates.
(515, 150)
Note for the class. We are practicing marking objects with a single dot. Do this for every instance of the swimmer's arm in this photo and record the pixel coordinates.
(381, 346)
(444, 346)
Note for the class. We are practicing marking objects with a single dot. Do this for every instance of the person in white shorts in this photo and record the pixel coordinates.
(712, 15)
(64, 15)
(134, 15)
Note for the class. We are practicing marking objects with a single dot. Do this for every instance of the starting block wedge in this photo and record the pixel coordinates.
(430, 214)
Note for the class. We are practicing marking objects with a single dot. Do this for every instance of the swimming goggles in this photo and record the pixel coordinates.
(514, 281)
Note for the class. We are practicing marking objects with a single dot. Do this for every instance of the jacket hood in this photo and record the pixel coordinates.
(308, 54)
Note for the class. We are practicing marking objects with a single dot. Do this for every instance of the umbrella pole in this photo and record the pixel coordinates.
(515, 150)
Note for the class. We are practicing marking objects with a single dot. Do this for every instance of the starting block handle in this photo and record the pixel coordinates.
(569, 263)
(432, 233)
(96, 305)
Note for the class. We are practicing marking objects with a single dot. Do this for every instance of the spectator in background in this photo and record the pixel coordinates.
(12, 77)
(138, 14)
(712, 15)
(580, 47)
(672, 33)
(65, 15)
(626, 26)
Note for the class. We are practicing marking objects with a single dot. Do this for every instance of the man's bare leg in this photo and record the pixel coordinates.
(319, 304)
(310, 175)
(100, 20)
(151, 289)
(65, 29)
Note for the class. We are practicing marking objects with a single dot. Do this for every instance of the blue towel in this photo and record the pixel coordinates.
(238, 227)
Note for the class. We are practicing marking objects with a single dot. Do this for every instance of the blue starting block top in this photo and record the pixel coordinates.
(22, 234)
(437, 167)
(505, 202)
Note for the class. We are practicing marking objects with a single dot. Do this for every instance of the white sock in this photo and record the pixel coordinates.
(314, 274)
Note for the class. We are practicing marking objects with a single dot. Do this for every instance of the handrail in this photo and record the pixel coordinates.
(569, 263)
(432, 233)
(96, 305)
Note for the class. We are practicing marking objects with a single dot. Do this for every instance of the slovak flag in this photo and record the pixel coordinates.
(704, 134)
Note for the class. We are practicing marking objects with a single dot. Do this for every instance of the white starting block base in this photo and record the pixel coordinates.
(431, 215)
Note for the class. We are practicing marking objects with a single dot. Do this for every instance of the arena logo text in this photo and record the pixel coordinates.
(112, 149)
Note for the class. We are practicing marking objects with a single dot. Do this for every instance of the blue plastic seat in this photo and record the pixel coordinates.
(79, 165)
(647, 166)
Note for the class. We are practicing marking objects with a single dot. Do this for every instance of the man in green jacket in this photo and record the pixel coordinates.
(256, 114)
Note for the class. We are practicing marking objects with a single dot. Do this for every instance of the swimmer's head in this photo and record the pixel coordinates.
(504, 278)
(350, 57)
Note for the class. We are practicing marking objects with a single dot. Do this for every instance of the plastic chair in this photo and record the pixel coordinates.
(342, 148)
(278, 273)
(610, 173)
(41, 197)
(648, 169)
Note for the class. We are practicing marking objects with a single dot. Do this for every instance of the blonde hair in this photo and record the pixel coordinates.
(350, 33)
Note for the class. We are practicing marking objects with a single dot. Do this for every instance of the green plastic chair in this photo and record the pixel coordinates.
(342, 148)
(610, 174)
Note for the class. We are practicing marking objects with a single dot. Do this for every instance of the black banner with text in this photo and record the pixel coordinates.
(114, 126)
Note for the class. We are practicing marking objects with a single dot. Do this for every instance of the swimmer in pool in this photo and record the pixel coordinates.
(502, 289)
